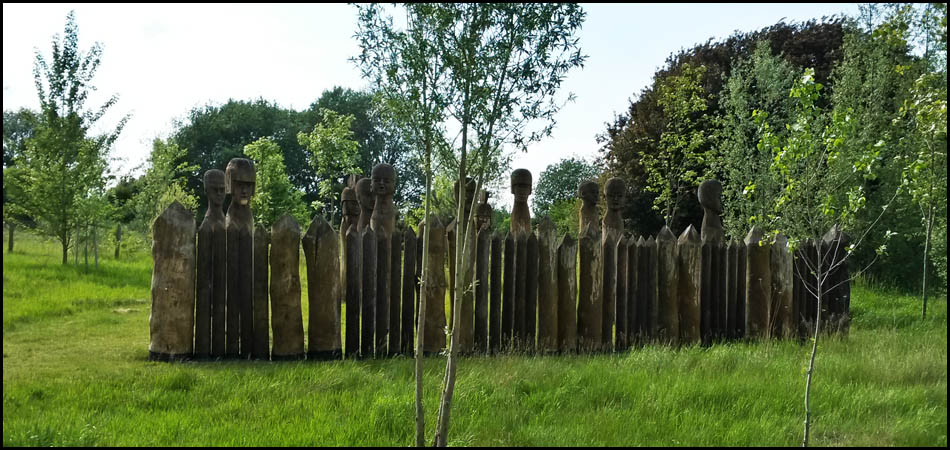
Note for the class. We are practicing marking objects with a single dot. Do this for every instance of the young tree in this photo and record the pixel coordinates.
(410, 76)
(274, 194)
(813, 169)
(333, 155)
(559, 182)
(165, 181)
(62, 163)
(674, 171)
(18, 127)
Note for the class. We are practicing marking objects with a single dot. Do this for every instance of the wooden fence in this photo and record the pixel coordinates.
(533, 293)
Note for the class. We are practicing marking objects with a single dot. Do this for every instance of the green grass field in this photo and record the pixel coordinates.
(75, 373)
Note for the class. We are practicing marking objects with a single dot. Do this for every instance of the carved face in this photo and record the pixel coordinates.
(589, 192)
(214, 188)
(482, 216)
(710, 195)
(242, 191)
(384, 181)
(614, 193)
(521, 184)
(364, 190)
(351, 208)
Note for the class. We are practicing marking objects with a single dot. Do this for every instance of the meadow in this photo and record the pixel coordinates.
(75, 372)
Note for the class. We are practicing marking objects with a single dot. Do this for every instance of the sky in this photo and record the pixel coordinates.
(164, 60)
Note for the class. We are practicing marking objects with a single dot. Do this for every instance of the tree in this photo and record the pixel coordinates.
(813, 169)
(18, 127)
(165, 181)
(758, 83)
(411, 79)
(635, 133)
(559, 181)
(679, 166)
(62, 163)
(506, 63)
(333, 155)
(379, 139)
(214, 134)
(274, 196)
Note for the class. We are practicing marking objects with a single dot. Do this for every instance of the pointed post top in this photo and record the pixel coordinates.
(665, 235)
(734, 244)
(545, 225)
(284, 224)
(318, 227)
(566, 239)
(641, 242)
(689, 236)
(651, 242)
(781, 241)
(755, 236)
(835, 232)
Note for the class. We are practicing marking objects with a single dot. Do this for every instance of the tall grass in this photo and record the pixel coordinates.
(75, 372)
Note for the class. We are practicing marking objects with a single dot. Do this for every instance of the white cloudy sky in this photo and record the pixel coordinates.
(163, 60)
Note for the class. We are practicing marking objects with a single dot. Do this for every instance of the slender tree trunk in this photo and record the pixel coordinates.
(814, 345)
(451, 365)
(75, 248)
(930, 224)
(421, 315)
(118, 239)
(12, 227)
(95, 244)
(85, 250)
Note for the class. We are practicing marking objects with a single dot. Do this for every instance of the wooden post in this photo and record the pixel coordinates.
(648, 279)
(409, 286)
(383, 261)
(590, 309)
(482, 252)
(780, 261)
(689, 260)
(261, 344)
(547, 287)
(633, 292)
(567, 294)
(171, 323)
(287, 322)
(434, 295)
(722, 287)
(494, 307)
(531, 294)
(508, 295)
(668, 315)
(620, 320)
(608, 289)
(741, 283)
(759, 284)
(521, 286)
(354, 287)
(368, 297)
(707, 302)
(732, 258)
(321, 250)
(395, 293)
(204, 288)
(219, 290)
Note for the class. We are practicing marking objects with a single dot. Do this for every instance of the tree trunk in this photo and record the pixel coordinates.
(441, 436)
(85, 251)
(118, 239)
(930, 224)
(95, 244)
(421, 317)
(12, 227)
(819, 277)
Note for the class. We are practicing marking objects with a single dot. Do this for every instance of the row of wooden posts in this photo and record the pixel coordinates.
(532, 292)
